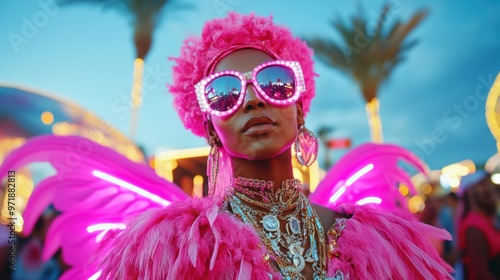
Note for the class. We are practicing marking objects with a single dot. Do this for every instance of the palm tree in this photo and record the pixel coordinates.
(368, 57)
(145, 15)
(323, 138)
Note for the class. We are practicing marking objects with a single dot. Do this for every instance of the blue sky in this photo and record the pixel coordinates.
(433, 103)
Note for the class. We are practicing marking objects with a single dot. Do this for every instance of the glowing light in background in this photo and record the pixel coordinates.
(64, 128)
(461, 169)
(23, 189)
(495, 178)
(493, 164)
(47, 118)
(198, 186)
(198, 180)
(131, 187)
(454, 182)
(297, 174)
(19, 221)
(403, 190)
(426, 188)
(136, 94)
(372, 109)
(416, 204)
(444, 181)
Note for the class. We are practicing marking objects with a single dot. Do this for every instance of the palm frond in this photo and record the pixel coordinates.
(395, 26)
(105, 4)
(380, 23)
(402, 31)
(367, 57)
(330, 53)
(408, 45)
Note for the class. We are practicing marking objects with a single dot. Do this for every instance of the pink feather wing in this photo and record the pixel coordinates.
(378, 244)
(188, 240)
(368, 174)
(97, 192)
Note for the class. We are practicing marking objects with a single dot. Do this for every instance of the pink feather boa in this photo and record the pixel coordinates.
(375, 244)
(187, 240)
(193, 240)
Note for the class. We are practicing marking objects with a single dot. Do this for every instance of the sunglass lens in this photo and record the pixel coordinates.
(222, 93)
(277, 82)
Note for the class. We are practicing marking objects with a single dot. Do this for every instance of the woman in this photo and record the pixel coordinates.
(479, 239)
(246, 85)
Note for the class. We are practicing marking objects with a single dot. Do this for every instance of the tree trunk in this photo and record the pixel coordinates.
(143, 35)
(143, 38)
(372, 111)
(136, 94)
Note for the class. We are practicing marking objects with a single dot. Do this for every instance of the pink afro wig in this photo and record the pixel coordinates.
(198, 57)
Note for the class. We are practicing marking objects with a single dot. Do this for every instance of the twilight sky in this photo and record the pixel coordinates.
(433, 103)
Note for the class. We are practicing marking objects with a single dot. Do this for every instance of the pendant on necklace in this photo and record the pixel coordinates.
(294, 225)
(270, 223)
(295, 252)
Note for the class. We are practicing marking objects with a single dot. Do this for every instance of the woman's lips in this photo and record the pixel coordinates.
(259, 129)
(260, 124)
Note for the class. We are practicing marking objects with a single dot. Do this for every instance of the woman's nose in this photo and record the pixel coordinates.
(252, 99)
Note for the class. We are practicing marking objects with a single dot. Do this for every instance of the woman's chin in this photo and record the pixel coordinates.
(260, 153)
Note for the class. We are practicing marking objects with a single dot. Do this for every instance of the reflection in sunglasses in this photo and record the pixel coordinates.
(276, 82)
(224, 101)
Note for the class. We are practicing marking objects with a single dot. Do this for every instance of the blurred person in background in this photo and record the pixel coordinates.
(430, 216)
(30, 264)
(4, 252)
(447, 217)
(478, 238)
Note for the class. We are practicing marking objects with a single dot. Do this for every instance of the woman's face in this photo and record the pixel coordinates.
(257, 130)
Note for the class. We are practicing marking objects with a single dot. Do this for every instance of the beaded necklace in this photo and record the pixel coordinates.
(253, 201)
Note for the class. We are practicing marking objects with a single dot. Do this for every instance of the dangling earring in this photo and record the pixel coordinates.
(213, 168)
(306, 147)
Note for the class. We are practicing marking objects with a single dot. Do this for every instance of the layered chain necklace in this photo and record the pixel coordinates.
(301, 241)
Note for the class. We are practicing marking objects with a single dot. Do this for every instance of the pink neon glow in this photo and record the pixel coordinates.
(369, 174)
(359, 174)
(95, 276)
(369, 200)
(104, 228)
(350, 181)
(130, 187)
(337, 194)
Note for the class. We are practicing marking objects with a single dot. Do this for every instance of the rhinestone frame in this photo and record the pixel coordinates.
(244, 78)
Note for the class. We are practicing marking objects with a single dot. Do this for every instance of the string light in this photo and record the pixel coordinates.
(403, 190)
(454, 182)
(372, 109)
(47, 118)
(495, 178)
(198, 186)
